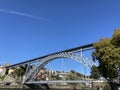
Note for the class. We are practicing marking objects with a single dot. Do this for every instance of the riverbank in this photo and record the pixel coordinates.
(95, 86)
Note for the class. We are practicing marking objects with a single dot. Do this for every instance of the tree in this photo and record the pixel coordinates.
(19, 72)
(72, 71)
(95, 72)
(2, 78)
(79, 74)
(72, 75)
(107, 52)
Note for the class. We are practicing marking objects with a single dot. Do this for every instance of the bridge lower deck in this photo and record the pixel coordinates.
(62, 81)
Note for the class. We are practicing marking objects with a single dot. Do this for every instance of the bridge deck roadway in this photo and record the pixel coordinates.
(62, 81)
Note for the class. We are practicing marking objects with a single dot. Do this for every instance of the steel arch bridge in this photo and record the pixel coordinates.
(40, 62)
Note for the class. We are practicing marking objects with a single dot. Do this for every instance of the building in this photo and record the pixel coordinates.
(2, 71)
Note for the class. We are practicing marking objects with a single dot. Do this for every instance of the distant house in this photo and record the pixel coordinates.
(2, 71)
(40, 75)
(11, 71)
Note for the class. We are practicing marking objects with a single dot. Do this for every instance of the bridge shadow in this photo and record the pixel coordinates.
(36, 86)
(114, 86)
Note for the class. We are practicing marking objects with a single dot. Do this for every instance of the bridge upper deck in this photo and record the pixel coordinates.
(76, 49)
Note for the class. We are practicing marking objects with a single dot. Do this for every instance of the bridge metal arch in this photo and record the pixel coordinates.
(42, 62)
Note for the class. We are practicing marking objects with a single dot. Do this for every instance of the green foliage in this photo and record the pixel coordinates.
(2, 78)
(79, 74)
(95, 72)
(74, 76)
(19, 71)
(72, 71)
(107, 52)
(55, 77)
(107, 87)
(116, 38)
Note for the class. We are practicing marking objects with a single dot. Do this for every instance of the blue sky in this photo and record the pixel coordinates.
(33, 28)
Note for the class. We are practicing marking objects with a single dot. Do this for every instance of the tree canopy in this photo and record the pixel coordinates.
(19, 71)
(95, 72)
(107, 52)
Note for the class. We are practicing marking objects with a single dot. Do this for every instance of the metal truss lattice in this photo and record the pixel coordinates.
(30, 73)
